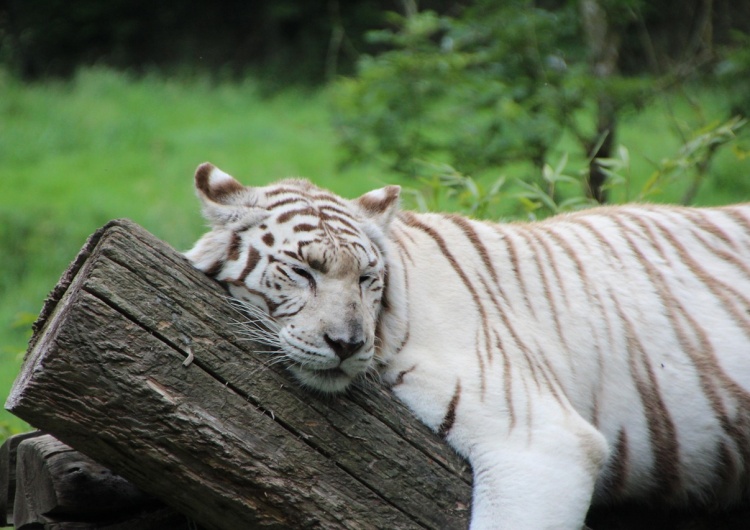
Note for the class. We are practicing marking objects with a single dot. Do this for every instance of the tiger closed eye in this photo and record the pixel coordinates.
(302, 272)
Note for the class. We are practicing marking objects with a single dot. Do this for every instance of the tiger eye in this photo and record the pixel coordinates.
(318, 266)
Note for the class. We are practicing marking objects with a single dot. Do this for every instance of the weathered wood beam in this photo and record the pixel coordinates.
(8, 453)
(226, 439)
(57, 487)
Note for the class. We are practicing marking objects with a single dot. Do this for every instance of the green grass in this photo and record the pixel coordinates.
(76, 154)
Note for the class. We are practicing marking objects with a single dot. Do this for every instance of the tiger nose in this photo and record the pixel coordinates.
(344, 348)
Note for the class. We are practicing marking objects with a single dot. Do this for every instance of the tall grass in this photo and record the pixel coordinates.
(76, 154)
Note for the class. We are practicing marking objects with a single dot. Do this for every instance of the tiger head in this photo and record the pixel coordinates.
(311, 262)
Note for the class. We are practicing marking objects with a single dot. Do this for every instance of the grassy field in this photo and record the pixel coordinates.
(76, 154)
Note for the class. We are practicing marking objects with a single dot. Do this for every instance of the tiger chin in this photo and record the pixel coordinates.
(594, 357)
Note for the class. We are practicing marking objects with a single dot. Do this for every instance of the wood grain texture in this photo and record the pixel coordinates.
(226, 440)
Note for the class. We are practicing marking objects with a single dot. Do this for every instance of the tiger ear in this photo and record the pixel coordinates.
(224, 200)
(380, 205)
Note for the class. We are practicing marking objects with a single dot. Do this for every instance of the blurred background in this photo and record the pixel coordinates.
(503, 109)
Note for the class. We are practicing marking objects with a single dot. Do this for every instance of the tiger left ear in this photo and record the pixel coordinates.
(224, 200)
(380, 205)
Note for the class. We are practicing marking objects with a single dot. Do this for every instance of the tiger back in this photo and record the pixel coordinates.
(592, 357)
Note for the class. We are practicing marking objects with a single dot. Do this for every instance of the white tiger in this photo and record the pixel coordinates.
(595, 356)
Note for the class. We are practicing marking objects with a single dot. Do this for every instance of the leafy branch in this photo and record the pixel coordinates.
(442, 184)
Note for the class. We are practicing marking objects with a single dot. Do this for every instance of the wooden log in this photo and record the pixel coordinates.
(225, 439)
(8, 453)
(58, 487)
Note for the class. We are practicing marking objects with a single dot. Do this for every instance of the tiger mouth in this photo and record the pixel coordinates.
(328, 380)
(328, 372)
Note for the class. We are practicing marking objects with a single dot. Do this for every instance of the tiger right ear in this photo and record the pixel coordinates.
(380, 205)
(223, 199)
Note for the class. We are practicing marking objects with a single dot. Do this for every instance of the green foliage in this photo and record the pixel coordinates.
(689, 164)
(444, 185)
(539, 201)
(498, 85)
(6, 431)
(507, 89)
(732, 71)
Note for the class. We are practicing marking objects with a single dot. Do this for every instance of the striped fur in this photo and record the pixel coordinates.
(592, 357)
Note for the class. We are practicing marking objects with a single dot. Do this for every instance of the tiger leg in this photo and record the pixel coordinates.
(540, 479)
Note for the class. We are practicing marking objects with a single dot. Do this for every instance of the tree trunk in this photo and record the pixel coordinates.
(604, 47)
